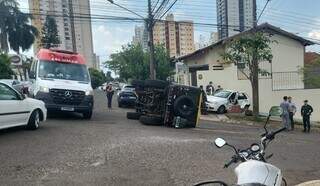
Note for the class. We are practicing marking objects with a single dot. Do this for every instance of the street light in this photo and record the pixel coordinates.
(112, 2)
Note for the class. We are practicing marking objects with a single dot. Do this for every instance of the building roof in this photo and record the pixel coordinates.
(309, 57)
(263, 27)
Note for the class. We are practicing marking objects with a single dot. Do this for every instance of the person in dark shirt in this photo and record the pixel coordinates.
(306, 111)
(204, 100)
(110, 92)
(210, 88)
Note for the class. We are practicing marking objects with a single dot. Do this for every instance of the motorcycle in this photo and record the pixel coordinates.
(254, 169)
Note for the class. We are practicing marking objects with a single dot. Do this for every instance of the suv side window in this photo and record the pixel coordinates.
(242, 96)
(6, 93)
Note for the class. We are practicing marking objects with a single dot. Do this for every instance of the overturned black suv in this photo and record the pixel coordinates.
(161, 103)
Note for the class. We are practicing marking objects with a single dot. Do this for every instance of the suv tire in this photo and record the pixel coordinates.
(133, 115)
(184, 107)
(151, 120)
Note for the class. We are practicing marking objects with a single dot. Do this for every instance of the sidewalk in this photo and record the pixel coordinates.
(221, 118)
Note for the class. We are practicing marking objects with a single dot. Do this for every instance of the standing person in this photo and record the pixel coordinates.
(110, 92)
(292, 111)
(285, 115)
(210, 88)
(219, 88)
(203, 102)
(306, 111)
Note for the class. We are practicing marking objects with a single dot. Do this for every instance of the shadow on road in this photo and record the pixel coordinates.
(12, 130)
(65, 116)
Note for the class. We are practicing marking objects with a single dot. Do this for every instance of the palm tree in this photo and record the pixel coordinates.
(15, 30)
(22, 35)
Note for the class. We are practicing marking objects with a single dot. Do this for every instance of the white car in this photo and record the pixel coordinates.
(17, 110)
(224, 99)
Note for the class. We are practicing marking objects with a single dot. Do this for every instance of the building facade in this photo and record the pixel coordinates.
(141, 37)
(283, 77)
(73, 24)
(234, 16)
(176, 36)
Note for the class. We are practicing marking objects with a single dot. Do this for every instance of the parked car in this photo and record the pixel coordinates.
(17, 110)
(127, 96)
(224, 99)
(16, 84)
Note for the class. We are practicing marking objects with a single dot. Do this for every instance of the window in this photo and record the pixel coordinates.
(7, 93)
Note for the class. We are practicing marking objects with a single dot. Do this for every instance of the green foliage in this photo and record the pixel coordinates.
(248, 49)
(5, 70)
(97, 77)
(311, 73)
(133, 63)
(49, 34)
(15, 28)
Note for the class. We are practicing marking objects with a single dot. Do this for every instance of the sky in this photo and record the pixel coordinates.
(301, 17)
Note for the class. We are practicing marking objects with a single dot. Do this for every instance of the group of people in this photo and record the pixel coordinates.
(290, 109)
(210, 88)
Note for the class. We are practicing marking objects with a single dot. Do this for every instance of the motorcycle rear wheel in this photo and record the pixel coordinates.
(211, 183)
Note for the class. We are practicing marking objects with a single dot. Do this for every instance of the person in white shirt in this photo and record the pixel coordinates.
(292, 111)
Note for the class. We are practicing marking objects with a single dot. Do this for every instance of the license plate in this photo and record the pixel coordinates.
(132, 97)
(67, 109)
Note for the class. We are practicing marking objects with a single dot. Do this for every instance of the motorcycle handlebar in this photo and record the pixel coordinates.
(233, 160)
(272, 134)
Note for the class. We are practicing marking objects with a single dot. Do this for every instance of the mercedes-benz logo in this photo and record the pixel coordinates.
(68, 94)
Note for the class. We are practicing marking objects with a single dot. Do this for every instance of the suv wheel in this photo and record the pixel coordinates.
(34, 120)
(133, 115)
(184, 107)
(87, 114)
(151, 120)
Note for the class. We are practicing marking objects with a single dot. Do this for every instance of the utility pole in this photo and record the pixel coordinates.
(255, 67)
(150, 23)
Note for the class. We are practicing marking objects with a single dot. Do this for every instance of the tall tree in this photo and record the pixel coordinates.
(23, 35)
(15, 29)
(133, 63)
(250, 50)
(49, 34)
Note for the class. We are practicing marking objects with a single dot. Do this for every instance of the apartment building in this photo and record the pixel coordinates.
(176, 36)
(141, 37)
(234, 16)
(73, 23)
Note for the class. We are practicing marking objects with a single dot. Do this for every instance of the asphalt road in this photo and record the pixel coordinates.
(111, 150)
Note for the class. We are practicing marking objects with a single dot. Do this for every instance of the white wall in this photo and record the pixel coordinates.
(288, 56)
(228, 79)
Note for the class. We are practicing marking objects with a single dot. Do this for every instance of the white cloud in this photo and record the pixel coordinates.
(108, 39)
(315, 34)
